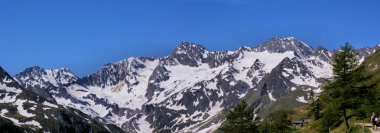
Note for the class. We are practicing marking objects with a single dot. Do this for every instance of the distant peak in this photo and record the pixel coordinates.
(185, 47)
(283, 44)
(186, 44)
(284, 38)
(34, 68)
(38, 68)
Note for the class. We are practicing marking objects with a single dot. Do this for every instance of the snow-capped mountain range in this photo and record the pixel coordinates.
(24, 111)
(188, 90)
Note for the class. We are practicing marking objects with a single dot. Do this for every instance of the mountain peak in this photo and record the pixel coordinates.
(34, 68)
(185, 47)
(188, 53)
(289, 41)
(284, 38)
(37, 75)
(3, 74)
(283, 44)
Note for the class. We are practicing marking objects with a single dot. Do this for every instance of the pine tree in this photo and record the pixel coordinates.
(348, 89)
(276, 122)
(280, 122)
(239, 119)
(314, 105)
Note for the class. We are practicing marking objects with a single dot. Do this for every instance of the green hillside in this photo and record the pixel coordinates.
(363, 111)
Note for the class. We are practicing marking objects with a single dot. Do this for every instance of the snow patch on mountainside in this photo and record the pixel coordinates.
(271, 96)
(9, 89)
(122, 94)
(144, 125)
(17, 122)
(301, 99)
(8, 98)
(183, 77)
(21, 109)
(7, 80)
(319, 68)
(248, 58)
(50, 104)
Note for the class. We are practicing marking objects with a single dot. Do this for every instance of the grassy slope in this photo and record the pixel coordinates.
(373, 64)
(373, 61)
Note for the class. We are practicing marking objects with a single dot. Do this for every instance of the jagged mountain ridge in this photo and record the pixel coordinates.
(22, 110)
(187, 90)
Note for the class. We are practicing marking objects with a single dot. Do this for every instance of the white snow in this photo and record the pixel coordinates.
(50, 77)
(211, 85)
(322, 69)
(56, 77)
(361, 60)
(7, 80)
(32, 122)
(144, 125)
(33, 107)
(3, 112)
(49, 104)
(119, 93)
(92, 109)
(21, 109)
(212, 112)
(232, 83)
(300, 79)
(8, 98)
(215, 109)
(196, 102)
(319, 90)
(198, 116)
(248, 58)
(285, 74)
(122, 94)
(183, 77)
(293, 88)
(176, 107)
(16, 122)
(301, 99)
(205, 54)
(271, 96)
(9, 89)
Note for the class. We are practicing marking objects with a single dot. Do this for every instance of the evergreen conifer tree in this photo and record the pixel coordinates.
(239, 119)
(348, 89)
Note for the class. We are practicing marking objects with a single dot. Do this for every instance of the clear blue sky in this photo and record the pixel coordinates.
(83, 35)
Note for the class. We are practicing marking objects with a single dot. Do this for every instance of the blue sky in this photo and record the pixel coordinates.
(82, 35)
